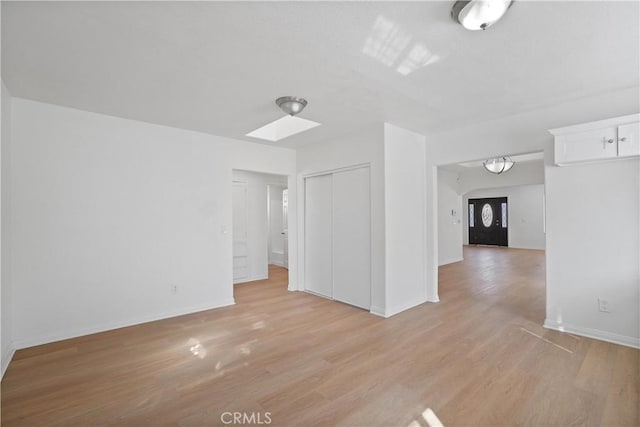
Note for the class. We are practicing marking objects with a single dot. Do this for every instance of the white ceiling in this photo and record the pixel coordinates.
(218, 67)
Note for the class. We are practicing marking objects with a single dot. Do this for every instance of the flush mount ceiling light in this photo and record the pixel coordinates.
(479, 14)
(291, 105)
(498, 165)
(287, 125)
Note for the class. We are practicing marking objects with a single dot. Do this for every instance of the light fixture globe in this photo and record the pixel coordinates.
(479, 14)
(498, 165)
(291, 105)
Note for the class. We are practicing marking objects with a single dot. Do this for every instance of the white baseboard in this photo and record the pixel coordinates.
(7, 355)
(279, 264)
(250, 279)
(377, 311)
(450, 261)
(533, 248)
(403, 307)
(593, 333)
(30, 342)
(277, 258)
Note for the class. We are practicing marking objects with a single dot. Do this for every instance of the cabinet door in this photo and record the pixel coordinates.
(629, 140)
(585, 146)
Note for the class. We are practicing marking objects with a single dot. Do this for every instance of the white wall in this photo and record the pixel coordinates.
(365, 147)
(258, 225)
(108, 214)
(450, 213)
(6, 309)
(404, 178)
(525, 214)
(593, 217)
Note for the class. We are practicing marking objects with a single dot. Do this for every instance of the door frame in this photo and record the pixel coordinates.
(270, 187)
(431, 217)
(226, 227)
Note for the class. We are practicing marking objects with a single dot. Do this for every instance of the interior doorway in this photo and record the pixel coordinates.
(278, 242)
(259, 225)
(481, 214)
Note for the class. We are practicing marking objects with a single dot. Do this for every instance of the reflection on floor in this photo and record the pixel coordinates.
(479, 357)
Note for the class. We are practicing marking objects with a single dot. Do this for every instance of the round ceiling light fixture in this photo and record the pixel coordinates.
(498, 165)
(479, 14)
(291, 105)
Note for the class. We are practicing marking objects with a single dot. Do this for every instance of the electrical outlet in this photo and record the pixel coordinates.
(174, 289)
(603, 305)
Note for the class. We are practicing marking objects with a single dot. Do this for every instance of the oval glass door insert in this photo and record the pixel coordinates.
(487, 215)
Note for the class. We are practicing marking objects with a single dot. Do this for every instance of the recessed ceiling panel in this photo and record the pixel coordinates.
(282, 128)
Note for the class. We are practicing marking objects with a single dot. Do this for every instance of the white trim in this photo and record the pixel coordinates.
(584, 127)
(332, 171)
(433, 260)
(403, 307)
(249, 279)
(451, 261)
(20, 344)
(278, 263)
(318, 295)
(6, 359)
(593, 333)
(378, 311)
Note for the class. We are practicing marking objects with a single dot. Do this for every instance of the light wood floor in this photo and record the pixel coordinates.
(479, 357)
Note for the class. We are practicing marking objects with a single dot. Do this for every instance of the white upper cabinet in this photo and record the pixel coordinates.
(601, 140)
(629, 140)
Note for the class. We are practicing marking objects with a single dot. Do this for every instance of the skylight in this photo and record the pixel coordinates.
(282, 128)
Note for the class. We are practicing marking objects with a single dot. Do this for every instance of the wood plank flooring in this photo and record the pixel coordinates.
(479, 357)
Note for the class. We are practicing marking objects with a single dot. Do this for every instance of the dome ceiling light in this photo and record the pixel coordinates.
(291, 105)
(498, 165)
(479, 14)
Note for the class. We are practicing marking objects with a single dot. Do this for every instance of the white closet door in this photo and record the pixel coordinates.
(317, 225)
(352, 237)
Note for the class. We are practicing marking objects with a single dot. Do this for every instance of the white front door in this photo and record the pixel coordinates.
(240, 213)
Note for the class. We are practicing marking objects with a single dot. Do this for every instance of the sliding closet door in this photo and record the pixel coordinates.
(317, 231)
(352, 237)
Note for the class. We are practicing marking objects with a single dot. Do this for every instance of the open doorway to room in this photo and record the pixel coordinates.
(491, 234)
(278, 241)
(259, 230)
